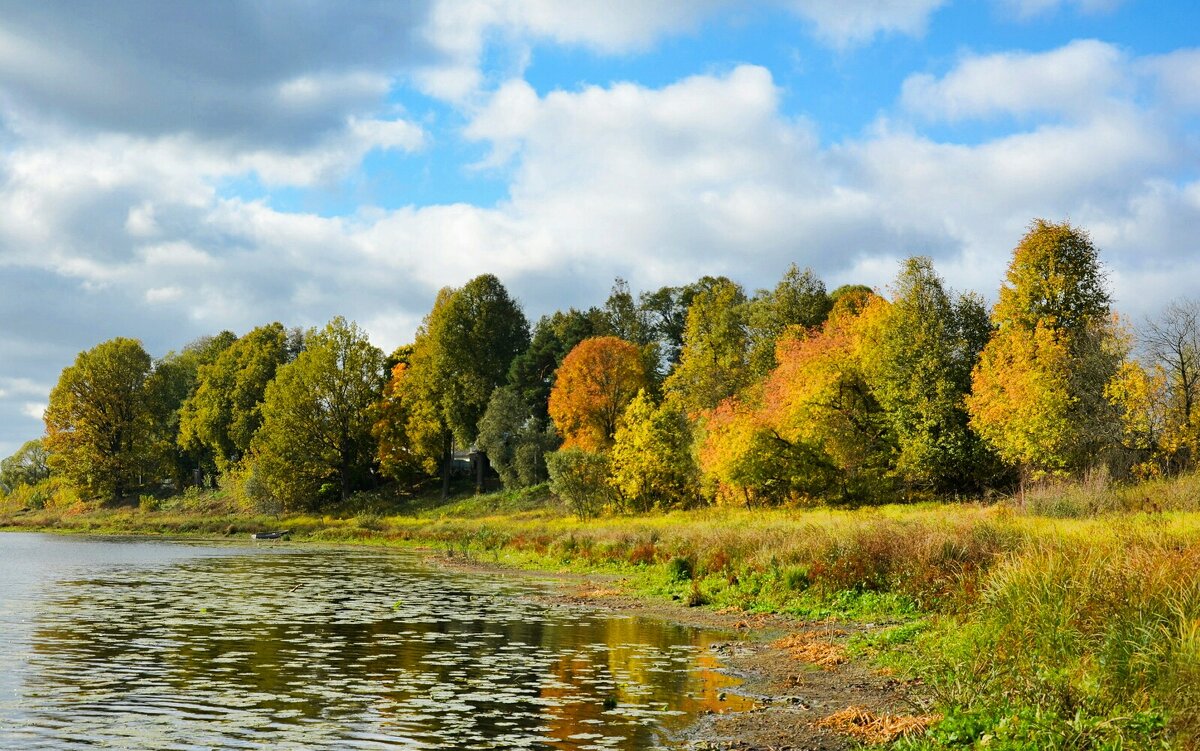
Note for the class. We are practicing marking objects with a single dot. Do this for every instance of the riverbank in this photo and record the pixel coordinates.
(1071, 621)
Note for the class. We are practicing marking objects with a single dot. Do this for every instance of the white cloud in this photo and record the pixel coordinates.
(1177, 76)
(1026, 9)
(34, 410)
(847, 23)
(163, 294)
(462, 29)
(1084, 77)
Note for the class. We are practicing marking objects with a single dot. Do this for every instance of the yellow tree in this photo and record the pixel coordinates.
(651, 458)
(594, 385)
(1039, 388)
(1021, 398)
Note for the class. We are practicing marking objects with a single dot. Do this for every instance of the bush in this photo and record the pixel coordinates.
(580, 478)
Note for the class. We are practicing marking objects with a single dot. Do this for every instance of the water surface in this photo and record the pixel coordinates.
(170, 645)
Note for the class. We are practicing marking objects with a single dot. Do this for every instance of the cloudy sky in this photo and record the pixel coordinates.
(169, 170)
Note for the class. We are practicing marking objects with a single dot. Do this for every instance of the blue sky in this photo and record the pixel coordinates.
(171, 170)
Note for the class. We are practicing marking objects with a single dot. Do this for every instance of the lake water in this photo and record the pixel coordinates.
(140, 644)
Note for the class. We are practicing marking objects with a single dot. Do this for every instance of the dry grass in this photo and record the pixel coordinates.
(864, 725)
(818, 648)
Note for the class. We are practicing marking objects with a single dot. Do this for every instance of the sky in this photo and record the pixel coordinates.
(170, 170)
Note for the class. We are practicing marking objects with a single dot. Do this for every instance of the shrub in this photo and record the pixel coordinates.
(580, 478)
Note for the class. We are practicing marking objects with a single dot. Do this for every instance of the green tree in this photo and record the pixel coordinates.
(798, 300)
(714, 362)
(651, 459)
(218, 421)
(317, 415)
(98, 422)
(515, 439)
(666, 310)
(580, 479)
(919, 369)
(1038, 393)
(28, 465)
(631, 321)
(463, 351)
(171, 383)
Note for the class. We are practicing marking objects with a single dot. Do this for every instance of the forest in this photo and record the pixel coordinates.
(702, 394)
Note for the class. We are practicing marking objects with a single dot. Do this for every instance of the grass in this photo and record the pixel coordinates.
(1066, 618)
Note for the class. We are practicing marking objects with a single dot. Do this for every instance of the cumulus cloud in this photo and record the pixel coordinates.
(461, 29)
(284, 74)
(1082, 78)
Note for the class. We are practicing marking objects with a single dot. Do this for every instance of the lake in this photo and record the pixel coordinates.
(153, 644)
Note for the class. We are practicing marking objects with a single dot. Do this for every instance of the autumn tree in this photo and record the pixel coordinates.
(98, 422)
(224, 412)
(714, 361)
(922, 352)
(595, 384)
(1038, 393)
(651, 458)
(532, 372)
(315, 438)
(798, 300)
(819, 403)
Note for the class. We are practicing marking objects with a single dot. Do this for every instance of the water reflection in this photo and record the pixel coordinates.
(341, 649)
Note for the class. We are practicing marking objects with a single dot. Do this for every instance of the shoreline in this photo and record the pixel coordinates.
(790, 689)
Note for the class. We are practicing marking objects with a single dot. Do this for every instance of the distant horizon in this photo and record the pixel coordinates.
(239, 167)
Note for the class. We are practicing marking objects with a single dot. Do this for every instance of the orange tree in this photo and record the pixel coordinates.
(594, 385)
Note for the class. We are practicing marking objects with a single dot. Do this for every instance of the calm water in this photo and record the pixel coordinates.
(158, 645)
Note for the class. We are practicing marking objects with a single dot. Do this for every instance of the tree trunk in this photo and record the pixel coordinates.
(447, 463)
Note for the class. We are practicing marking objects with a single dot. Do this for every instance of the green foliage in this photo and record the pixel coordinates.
(714, 362)
(479, 331)
(222, 415)
(99, 428)
(515, 441)
(463, 351)
(580, 478)
(1055, 279)
(315, 442)
(919, 367)
(651, 460)
(798, 300)
(28, 465)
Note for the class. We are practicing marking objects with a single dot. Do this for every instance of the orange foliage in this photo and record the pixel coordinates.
(595, 383)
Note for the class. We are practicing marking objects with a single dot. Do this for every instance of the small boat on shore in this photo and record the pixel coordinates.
(270, 535)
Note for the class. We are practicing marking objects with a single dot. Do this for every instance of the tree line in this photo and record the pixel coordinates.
(686, 395)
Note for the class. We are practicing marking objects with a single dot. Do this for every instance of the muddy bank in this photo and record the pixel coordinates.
(808, 694)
